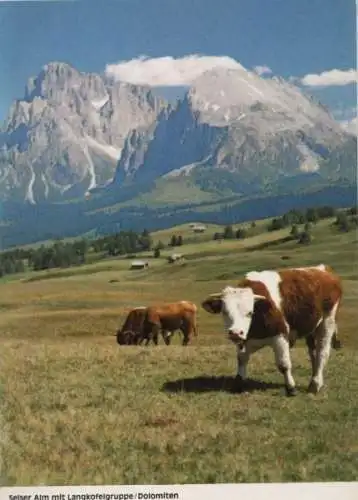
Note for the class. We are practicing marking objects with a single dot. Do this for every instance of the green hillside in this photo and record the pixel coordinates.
(80, 409)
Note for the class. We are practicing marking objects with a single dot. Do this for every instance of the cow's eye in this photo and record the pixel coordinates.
(249, 314)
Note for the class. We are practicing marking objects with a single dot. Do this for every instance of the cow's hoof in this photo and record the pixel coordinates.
(313, 387)
(337, 344)
(291, 391)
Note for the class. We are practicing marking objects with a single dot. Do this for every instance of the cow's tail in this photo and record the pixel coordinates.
(196, 331)
(195, 327)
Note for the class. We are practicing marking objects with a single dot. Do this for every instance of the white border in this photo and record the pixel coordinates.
(261, 491)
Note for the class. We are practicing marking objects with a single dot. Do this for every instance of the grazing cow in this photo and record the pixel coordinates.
(169, 317)
(132, 331)
(273, 308)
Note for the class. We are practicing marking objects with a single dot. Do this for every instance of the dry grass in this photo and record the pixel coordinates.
(79, 409)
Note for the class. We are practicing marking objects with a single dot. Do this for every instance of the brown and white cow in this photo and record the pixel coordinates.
(273, 308)
(169, 317)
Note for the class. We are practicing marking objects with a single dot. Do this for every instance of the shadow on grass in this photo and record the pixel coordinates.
(217, 384)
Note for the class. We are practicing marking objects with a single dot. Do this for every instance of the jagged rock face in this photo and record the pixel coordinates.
(235, 120)
(178, 140)
(65, 137)
(75, 131)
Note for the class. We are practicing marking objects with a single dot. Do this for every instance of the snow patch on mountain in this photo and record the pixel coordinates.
(29, 192)
(91, 169)
(46, 187)
(107, 149)
(185, 170)
(100, 103)
(310, 159)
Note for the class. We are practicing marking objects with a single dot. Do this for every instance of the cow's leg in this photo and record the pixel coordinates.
(281, 348)
(188, 333)
(324, 335)
(195, 326)
(311, 346)
(145, 336)
(187, 329)
(137, 339)
(243, 356)
(154, 334)
(140, 340)
(185, 336)
(166, 336)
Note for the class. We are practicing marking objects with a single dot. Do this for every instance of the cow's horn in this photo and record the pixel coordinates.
(259, 297)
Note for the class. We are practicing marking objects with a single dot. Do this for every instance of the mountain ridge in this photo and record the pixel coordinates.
(69, 131)
(87, 140)
(241, 134)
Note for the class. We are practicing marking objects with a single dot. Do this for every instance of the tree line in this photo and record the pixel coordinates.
(65, 254)
(345, 221)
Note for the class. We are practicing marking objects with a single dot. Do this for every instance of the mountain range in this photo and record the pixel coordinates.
(90, 142)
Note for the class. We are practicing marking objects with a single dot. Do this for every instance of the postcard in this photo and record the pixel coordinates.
(178, 249)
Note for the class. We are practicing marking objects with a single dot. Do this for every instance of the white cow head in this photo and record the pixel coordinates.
(237, 308)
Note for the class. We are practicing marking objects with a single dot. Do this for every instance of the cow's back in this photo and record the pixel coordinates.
(308, 296)
(297, 299)
(171, 315)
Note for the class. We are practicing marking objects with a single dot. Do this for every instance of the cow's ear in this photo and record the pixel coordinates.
(259, 297)
(213, 304)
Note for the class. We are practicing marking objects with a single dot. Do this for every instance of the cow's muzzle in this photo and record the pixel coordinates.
(239, 338)
(124, 338)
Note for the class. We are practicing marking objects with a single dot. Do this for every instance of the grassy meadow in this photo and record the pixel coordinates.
(79, 409)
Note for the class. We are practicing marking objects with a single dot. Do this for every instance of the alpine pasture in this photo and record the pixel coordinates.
(77, 408)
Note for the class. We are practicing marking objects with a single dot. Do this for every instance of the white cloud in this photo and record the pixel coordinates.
(333, 77)
(167, 71)
(262, 70)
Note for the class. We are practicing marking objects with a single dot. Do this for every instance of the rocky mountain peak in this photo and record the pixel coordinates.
(233, 119)
(75, 131)
(67, 133)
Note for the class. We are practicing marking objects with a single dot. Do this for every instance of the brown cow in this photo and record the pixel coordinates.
(132, 331)
(170, 317)
(132, 327)
(272, 308)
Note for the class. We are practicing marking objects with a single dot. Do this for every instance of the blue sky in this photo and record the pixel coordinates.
(294, 38)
